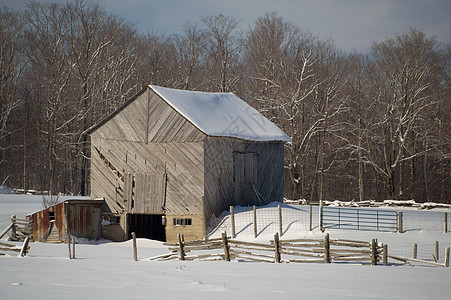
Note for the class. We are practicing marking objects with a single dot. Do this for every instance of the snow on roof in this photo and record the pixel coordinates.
(221, 114)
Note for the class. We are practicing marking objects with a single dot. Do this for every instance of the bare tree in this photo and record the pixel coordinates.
(296, 86)
(190, 52)
(11, 66)
(223, 48)
(329, 106)
(103, 52)
(50, 74)
(406, 68)
(362, 126)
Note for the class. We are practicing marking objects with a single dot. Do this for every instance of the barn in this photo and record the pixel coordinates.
(78, 218)
(168, 160)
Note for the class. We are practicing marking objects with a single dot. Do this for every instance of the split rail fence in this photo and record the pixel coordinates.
(276, 251)
(20, 229)
(325, 250)
(6, 247)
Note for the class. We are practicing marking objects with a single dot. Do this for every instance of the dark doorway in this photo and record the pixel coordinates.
(147, 226)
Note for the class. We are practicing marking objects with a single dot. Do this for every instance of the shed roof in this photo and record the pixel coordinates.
(221, 114)
(95, 202)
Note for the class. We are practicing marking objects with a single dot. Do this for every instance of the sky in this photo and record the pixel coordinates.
(353, 24)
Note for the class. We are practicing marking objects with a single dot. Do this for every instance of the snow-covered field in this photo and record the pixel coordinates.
(106, 270)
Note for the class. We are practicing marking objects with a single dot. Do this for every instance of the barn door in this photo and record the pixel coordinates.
(245, 169)
(149, 193)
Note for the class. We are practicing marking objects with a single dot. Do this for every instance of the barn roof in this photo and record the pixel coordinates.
(221, 114)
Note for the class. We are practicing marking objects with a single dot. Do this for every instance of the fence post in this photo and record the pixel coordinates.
(310, 220)
(400, 229)
(30, 226)
(255, 222)
(232, 219)
(73, 247)
(226, 246)
(447, 257)
(326, 249)
(374, 252)
(276, 248)
(13, 228)
(181, 247)
(385, 254)
(445, 221)
(24, 249)
(436, 254)
(68, 244)
(321, 227)
(414, 253)
(280, 221)
(135, 251)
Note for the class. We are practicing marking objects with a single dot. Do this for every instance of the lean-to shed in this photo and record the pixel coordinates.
(79, 218)
(169, 159)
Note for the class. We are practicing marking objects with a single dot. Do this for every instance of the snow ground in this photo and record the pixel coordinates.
(106, 270)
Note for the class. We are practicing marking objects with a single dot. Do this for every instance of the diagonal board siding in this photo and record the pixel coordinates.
(149, 119)
(182, 163)
(220, 172)
(148, 138)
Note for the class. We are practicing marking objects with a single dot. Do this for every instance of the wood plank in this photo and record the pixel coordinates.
(182, 164)
(239, 179)
(251, 177)
(128, 191)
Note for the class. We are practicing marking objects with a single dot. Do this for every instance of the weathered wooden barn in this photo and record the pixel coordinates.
(79, 218)
(167, 160)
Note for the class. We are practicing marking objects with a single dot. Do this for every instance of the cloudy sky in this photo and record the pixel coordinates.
(354, 24)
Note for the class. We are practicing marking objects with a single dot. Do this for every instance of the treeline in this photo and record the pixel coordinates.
(364, 126)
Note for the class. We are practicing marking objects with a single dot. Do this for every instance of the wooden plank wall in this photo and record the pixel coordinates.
(129, 124)
(239, 177)
(148, 116)
(85, 221)
(41, 222)
(173, 147)
(270, 169)
(220, 172)
(104, 181)
(181, 162)
(150, 193)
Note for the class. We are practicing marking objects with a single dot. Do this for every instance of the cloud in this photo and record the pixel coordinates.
(354, 24)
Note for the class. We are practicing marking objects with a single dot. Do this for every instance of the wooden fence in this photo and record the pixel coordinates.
(297, 250)
(6, 247)
(20, 229)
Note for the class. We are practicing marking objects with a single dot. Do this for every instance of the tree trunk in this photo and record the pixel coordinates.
(361, 187)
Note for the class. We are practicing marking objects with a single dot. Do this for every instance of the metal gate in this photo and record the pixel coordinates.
(359, 219)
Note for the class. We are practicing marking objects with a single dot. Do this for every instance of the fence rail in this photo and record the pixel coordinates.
(297, 250)
(359, 219)
(289, 251)
(19, 229)
(263, 220)
(6, 247)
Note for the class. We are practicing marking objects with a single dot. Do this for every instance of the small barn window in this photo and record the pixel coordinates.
(182, 222)
(51, 216)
